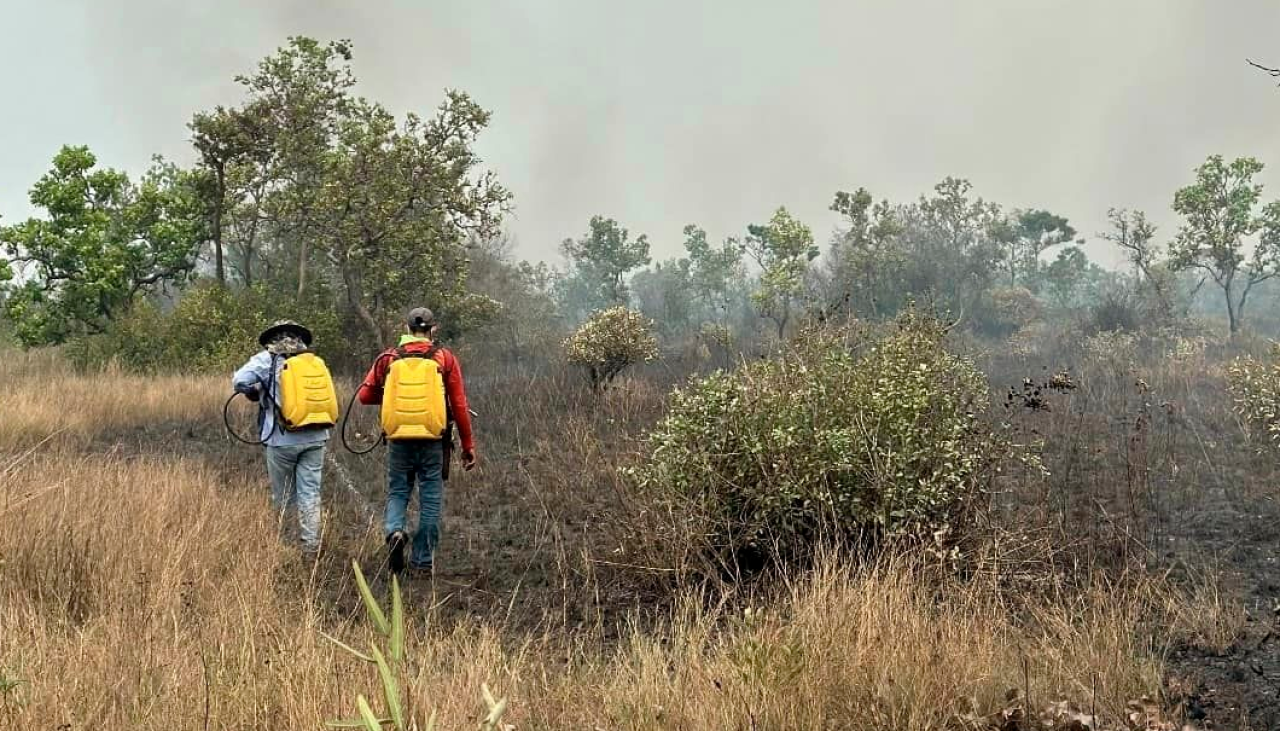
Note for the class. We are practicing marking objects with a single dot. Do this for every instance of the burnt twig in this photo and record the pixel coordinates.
(1272, 72)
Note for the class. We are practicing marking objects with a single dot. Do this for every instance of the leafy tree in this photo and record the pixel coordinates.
(234, 145)
(952, 245)
(611, 341)
(1221, 216)
(866, 259)
(528, 319)
(102, 243)
(716, 274)
(302, 93)
(783, 248)
(605, 256)
(1028, 235)
(665, 294)
(326, 191)
(399, 203)
(1066, 276)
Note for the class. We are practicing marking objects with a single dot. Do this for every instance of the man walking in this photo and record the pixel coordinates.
(295, 458)
(420, 390)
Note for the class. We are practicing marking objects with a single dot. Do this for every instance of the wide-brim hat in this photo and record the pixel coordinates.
(284, 326)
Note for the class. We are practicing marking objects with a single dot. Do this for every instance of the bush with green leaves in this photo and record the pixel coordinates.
(1255, 391)
(611, 341)
(210, 329)
(845, 436)
(1011, 309)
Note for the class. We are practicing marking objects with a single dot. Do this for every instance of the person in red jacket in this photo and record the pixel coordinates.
(420, 461)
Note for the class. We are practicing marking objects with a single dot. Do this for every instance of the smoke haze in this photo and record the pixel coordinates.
(666, 113)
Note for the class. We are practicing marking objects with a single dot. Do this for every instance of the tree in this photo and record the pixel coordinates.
(1066, 276)
(609, 342)
(605, 256)
(1220, 218)
(302, 94)
(1152, 268)
(233, 145)
(398, 205)
(951, 243)
(665, 294)
(528, 319)
(102, 243)
(716, 275)
(783, 248)
(1028, 235)
(332, 195)
(866, 258)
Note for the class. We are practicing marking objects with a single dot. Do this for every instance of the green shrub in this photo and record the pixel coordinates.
(884, 437)
(610, 342)
(1255, 392)
(210, 329)
(1012, 308)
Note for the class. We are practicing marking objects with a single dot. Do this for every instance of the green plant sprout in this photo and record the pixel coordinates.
(390, 665)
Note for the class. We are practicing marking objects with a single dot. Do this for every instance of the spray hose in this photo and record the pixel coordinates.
(262, 393)
(342, 432)
(226, 422)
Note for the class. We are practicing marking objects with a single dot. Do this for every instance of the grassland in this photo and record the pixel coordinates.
(143, 586)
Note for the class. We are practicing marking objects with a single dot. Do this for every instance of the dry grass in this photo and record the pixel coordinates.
(120, 603)
(150, 592)
(44, 398)
(1206, 618)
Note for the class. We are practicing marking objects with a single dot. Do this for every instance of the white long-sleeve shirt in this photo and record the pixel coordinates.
(258, 372)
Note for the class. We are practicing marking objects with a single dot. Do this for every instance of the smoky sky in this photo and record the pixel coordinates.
(664, 113)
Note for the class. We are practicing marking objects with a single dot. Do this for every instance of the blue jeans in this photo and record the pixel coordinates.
(408, 462)
(295, 472)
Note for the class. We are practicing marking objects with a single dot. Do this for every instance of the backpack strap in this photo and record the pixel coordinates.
(402, 352)
(448, 412)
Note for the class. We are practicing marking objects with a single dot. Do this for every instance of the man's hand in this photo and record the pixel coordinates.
(251, 392)
(468, 459)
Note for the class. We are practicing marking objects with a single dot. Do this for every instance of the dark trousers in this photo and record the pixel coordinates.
(418, 462)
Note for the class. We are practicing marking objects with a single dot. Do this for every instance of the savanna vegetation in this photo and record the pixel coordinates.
(940, 471)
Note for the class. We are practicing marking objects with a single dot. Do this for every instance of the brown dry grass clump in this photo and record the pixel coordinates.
(151, 592)
(45, 398)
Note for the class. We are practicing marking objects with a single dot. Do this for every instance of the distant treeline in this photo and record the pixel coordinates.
(307, 200)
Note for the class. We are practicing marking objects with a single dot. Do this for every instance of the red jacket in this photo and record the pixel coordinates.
(371, 389)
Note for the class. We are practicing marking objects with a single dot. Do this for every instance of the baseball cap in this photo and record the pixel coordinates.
(421, 318)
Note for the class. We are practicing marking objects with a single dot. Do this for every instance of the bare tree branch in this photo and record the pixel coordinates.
(1273, 72)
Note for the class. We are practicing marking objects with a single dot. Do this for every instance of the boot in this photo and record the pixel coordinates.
(396, 543)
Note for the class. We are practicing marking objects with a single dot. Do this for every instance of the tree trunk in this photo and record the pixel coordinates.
(1244, 299)
(220, 268)
(1233, 317)
(246, 254)
(247, 267)
(355, 300)
(304, 250)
